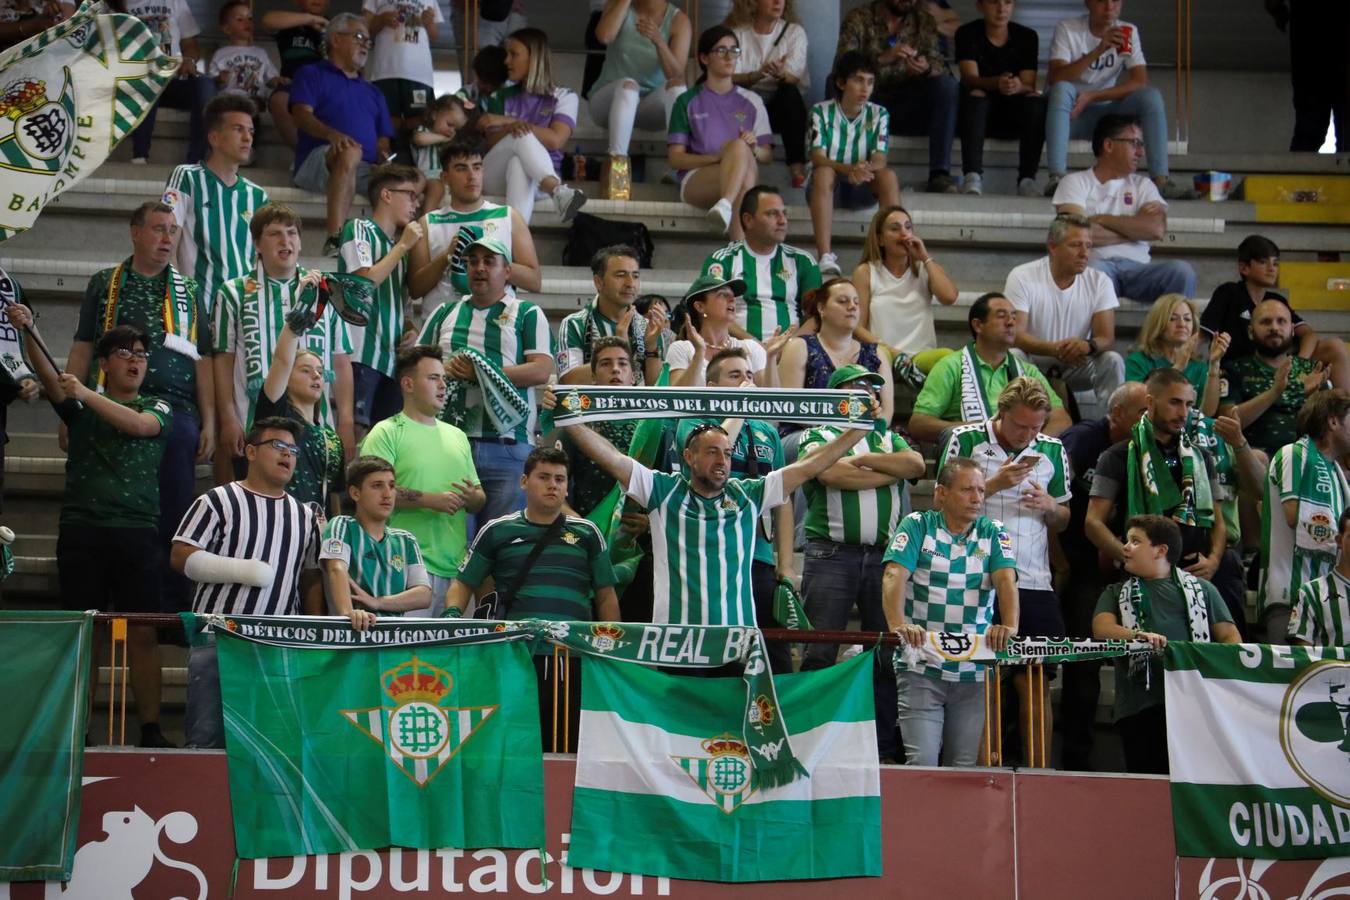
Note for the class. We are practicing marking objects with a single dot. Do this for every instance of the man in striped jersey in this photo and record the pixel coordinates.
(253, 551)
(1027, 489)
(850, 137)
(777, 276)
(367, 563)
(1305, 492)
(213, 204)
(512, 334)
(944, 569)
(703, 521)
(853, 507)
(1321, 618)
(436, 273)
(618, 281)
(249, 317)
(370, 250)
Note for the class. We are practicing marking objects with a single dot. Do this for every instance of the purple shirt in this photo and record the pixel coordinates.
(543, 110)
(353, 106)
(703, 120)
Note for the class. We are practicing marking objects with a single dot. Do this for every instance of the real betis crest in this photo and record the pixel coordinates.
(40, 129)
(419, 732)
(606, 636)
(1315, 729)
(575, 401)
(724, 774)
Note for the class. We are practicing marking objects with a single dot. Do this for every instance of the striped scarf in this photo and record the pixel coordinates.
(180, 317)
(1151, 488)
(975, 406)
(505, 407)
(1135, 612)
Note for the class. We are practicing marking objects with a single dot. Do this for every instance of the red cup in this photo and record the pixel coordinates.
(1127, 38)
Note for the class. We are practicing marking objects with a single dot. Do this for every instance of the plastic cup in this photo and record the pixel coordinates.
(1127, 38)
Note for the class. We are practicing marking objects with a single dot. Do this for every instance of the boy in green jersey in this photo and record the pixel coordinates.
(366, 564)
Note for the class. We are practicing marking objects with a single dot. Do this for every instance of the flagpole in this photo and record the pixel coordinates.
(41, 345)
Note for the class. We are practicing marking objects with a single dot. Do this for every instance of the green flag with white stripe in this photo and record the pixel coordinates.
(1259, 745)
(665, 785)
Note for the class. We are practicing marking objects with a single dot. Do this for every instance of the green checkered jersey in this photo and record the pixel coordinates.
(579, 331)
(507, 333)
(775, 285)
(363, 245)
(757, 439)
(446, 227)
(1291, 557)
(215, 244)
(849, 141)
(247, 321)
(702, 547)
(140, 302)
(564, 577)
(868, 517)
(381, 568)
(951, 584)
(112, 478)
(1322, 615)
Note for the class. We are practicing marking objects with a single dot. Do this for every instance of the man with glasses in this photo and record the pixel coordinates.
(108, 551)
(370, 250)
(343, 123)
(1127, 211)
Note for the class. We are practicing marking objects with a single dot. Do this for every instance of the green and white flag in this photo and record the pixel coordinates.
(413, 737)
(42, 728)
(664, 785)
(1259, 745)
(70, 94)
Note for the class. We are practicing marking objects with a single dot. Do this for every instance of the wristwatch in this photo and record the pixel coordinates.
(1092, 347)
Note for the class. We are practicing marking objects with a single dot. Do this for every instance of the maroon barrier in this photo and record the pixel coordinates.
(157, 825)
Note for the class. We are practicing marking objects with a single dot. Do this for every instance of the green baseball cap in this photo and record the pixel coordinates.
(491, 243)
(854, 372)
(711, 282)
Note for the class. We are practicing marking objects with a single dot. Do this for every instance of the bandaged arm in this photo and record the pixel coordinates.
(204, 566)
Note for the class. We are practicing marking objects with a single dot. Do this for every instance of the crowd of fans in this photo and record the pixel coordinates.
(400, 467)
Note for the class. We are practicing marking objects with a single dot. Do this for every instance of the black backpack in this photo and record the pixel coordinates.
(589, 233)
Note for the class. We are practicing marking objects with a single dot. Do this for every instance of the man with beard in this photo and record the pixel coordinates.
(618, 281)
(1264, 391)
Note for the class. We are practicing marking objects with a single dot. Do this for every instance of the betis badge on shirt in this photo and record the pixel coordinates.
(70, 94)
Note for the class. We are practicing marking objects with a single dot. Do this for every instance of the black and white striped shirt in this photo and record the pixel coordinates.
(233, 521)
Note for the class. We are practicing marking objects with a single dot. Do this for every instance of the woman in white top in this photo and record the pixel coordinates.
(709, 312)
(647, 51)
(526, 123)
(773, 65)
(897, 282)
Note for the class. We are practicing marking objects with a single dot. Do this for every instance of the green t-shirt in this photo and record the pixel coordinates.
(562, 580)
(1167, 610)
(112, 478)
(428, 458)
(140, 302)
(1248, 376)
(941, 393)
(318, 469)
(381, 568)
(1138, 366)
(768, 453)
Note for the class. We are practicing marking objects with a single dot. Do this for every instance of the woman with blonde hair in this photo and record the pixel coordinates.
(897, 282)
(773, 65)
(526, 123)
(1170, 339)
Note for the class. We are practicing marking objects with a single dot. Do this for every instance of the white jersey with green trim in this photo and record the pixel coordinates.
(364, 243)
(447, 226)
(215, 244)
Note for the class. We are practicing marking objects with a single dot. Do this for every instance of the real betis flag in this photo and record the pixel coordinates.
(664, 786)
(67, 97)
(1260, 750)
(42, 728)
(423, 746)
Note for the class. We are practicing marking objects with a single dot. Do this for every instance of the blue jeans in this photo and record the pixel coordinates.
(1146, 103)
(835, 578)
(177, 488)
(1147, 282)
(499, 469)
(926, 106)
(936, 715)
(203, 721)
(191, 93)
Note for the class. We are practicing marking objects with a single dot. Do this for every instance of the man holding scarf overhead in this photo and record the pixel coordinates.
(1159, 471)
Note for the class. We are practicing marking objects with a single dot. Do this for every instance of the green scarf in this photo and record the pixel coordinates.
(1151, 488)
(845, 409)
(505, 407)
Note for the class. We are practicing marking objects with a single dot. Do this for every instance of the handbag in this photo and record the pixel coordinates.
(589, 233)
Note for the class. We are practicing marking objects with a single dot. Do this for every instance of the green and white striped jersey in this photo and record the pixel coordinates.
(215, 244)
(448, 226)
(579, 330)
(364, 243)
(1030, 539)
(846, 140)
(247, 321)
(951, 586)
(702, 547)
(866, 518)
(507, 332)
(1293, 556)
(1322, 615)
(381, 568)
(775, 285)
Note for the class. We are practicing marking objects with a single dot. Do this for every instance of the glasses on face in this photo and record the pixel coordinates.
(1136, 143)
(733, 52)
(409, 191)
(279, 445)
(123, 353)
(359, 36)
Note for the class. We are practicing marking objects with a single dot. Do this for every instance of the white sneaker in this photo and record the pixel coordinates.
(1026, 187)
(139, 160)
(972, 183)
(568, 200)
(829, 265)
(719, 217)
